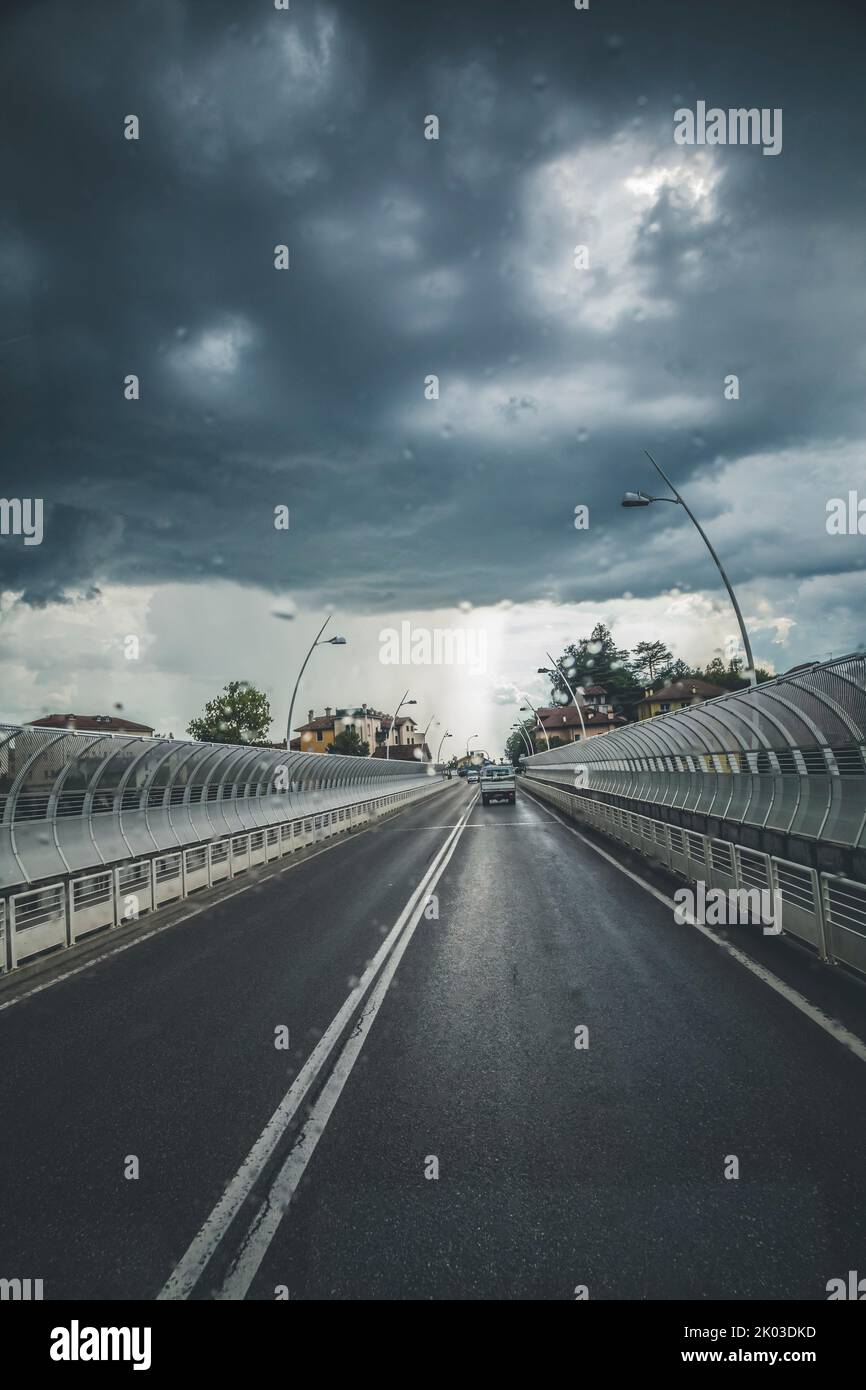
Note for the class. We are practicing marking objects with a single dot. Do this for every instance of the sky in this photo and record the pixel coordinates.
(308, 388)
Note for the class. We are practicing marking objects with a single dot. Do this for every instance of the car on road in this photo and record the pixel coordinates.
(497, 783)
(472, 775)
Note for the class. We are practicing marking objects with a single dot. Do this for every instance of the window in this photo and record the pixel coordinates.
(319, 735)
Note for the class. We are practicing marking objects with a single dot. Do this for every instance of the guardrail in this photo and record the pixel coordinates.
(59, 914)
(826, 912)
(772, 764)
(91, 822)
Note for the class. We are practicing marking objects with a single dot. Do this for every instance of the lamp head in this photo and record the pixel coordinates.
(635, 499)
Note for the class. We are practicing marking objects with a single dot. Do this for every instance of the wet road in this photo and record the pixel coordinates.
(455, 1142)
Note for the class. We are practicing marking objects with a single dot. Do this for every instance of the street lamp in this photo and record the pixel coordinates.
(643, 499)
(519, 728)
(557, 670)
(469, 740)
(447, 734)
(393, 724)
(329, 641)
(537, 720)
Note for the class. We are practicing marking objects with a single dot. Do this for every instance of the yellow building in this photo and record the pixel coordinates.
(677, 695)
(370, 725)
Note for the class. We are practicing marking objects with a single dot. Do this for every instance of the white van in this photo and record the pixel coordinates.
(497, 783)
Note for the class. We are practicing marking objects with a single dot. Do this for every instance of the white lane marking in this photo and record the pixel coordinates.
(192, 1264)
(830, 1025)
(505, 825)
(267, 1219)
(178, 921)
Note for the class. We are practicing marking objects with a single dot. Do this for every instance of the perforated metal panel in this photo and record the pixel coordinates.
(787, 756)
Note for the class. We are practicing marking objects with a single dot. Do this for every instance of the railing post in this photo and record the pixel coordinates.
(69, 909)
(11, 942)
(827, 917)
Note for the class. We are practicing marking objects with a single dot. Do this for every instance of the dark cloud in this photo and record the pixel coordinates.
(411, 257)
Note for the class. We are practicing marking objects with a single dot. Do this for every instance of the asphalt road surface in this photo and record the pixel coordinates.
(451, 1141)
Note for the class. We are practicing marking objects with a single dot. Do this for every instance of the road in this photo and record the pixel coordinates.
(457, 1144)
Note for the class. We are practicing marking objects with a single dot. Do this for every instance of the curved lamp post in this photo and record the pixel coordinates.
(469, 740)
(537, 720)
(642, 499)
(393, 725)
(518, 728)
(447, 734)
(329, 641)
(557, 670)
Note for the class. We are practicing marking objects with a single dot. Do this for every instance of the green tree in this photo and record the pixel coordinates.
(515, 747)
(680, 671)
(592, 660)
(350, 744)
(240, 714)
(650, 659)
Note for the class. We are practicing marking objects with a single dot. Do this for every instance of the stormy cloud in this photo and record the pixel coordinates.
(410, 258)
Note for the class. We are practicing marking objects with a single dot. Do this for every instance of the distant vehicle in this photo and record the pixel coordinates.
(497, 783)
(462, 771)
(472, 774)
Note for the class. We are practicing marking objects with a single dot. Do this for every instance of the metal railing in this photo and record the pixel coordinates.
(787, 757)
(71, 801)
(824, 911)
(751, 791)
(57, 914)
(96, 829)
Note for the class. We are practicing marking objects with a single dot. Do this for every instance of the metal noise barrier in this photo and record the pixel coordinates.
(787, 757)
(715, 790)
(96, 828)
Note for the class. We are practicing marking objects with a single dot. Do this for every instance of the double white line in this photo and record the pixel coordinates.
(263, 1227)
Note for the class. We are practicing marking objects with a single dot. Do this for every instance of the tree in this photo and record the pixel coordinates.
(679, 671)
(350, 744)
(240, 714)
(515, 747)
(650, 659)
(592, 660)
